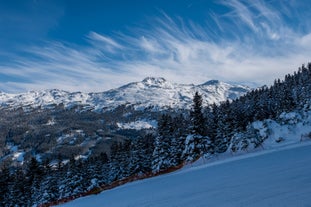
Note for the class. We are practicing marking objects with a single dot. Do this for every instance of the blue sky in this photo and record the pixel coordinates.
(97, 45)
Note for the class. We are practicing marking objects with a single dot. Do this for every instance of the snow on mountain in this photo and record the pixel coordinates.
(43, 98)
(270, 178)
(138, 125)
(151, 92)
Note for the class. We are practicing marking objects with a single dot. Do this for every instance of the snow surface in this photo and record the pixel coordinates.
(138, 125)
(19, 156)
(276, 177)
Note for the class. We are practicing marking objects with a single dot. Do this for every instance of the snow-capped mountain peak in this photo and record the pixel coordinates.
(211, 82)
(155, 92)
(154, 81)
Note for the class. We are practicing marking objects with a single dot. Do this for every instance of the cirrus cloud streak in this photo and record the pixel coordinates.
(249, 43)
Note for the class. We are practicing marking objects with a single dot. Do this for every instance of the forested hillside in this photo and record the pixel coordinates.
(205, 130)
(55, 125)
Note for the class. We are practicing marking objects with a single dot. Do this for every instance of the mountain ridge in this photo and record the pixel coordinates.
(154, 92)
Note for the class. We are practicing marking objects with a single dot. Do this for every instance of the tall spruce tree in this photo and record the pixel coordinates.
(161, 154)
(196, 143)
(4, 185)
(197, 118)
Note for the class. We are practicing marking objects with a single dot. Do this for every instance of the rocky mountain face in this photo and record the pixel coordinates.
(59, 125)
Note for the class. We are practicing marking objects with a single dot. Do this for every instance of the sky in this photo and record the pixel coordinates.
(96, 45)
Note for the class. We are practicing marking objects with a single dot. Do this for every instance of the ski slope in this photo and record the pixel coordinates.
(278, 177)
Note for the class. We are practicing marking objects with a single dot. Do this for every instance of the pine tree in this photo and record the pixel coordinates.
(211, 127)
(141, 154)
(196, 143)
(5, 179)
(162, 156)
(197, 118)
(119, 160)
(18, 189)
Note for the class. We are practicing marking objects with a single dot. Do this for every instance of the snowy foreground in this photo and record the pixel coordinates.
(278, 177)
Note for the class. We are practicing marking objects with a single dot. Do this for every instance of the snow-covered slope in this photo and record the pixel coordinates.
(270, 178)
(151, 92)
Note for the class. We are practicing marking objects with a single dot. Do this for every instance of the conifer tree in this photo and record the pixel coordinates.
(5, 179)
(196, 143)
(197, 118)
(161, 155)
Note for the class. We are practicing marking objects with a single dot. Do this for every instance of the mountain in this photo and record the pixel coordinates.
(57, 127)
(156, 93)
(53, 151)
(54, 124)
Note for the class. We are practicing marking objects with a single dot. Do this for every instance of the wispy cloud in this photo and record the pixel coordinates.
(242, 12)
(103, 42)
(254, 42)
